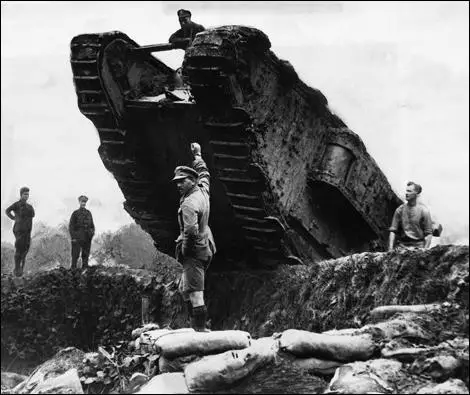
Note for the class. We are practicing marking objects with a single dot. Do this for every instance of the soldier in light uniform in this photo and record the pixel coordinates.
(82, 230)
(411, 224)
(195, 245)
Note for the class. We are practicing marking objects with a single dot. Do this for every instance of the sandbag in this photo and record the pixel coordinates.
(441, 367)
(67, 383)
(147, 340)
(62, 362)
(219, 371)
(166, 383)
(166, 365)
(374, 376)
(147, 327)
(321, 367)
(403, 325)
(338, 348)
(10, 380)
(451, 386)
(405, 354)
(201, 343)
(386, 311)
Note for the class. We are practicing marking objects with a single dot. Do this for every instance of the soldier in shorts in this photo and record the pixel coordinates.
(195, 245)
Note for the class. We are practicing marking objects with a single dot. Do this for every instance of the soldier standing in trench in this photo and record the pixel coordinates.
(82, 230)
(195, 245)
(411, 222)
(23, 218)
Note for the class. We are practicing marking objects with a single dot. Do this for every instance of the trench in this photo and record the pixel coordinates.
(101, 306)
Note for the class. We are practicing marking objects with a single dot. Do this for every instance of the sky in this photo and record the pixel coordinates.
(397, 73)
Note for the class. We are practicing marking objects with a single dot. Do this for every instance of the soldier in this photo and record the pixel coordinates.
(23, 218)
(82, 230)
(411, 222)
(195, 245)
(185, 36)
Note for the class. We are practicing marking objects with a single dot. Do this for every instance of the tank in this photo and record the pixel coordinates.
(290, 183)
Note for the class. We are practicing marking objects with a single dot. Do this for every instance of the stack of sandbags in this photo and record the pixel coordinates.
(181, 347)
(322, 353)
(216, 372)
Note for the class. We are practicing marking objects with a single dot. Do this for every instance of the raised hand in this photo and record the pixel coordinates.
(195, 149)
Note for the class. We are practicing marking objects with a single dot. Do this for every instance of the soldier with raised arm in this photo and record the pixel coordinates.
(195, 245)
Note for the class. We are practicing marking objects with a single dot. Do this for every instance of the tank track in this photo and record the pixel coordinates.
(115, 150)
(234, 153)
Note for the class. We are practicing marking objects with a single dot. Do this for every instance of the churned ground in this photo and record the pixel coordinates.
(102, 305)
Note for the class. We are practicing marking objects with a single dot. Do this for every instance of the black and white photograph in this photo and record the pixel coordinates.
(234, 197)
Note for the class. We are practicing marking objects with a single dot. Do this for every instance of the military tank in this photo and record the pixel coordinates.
(291, 184)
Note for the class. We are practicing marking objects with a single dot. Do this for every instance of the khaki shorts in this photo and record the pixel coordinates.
(192, 278)
(411, 244)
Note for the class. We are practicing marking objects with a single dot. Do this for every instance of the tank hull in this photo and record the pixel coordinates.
(290, 182)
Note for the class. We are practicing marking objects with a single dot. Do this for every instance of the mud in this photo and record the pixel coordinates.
(335, 294)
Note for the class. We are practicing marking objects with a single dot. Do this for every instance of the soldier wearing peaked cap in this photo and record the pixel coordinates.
(82, 230)
(24, 214)
(185, 36)
(195, 245)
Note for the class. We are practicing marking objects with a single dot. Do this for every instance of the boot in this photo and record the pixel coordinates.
(188, 312)
(199, 319)
(18, 267)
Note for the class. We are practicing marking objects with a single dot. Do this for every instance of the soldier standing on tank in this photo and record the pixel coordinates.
(195, 245)
(412, 223)
(23, 218)
(82, 230)
(185, 36)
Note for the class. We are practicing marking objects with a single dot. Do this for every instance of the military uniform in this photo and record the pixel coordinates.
(24, 214)
(195, 245)
(188, 31)
(82, 230)
(412, 224)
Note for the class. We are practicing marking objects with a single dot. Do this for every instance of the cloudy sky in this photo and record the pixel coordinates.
(396, 72)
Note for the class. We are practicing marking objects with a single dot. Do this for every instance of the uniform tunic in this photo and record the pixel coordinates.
(195, 245)
(82, 229)
(412, 223)
(24, 214)
(189, 31)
